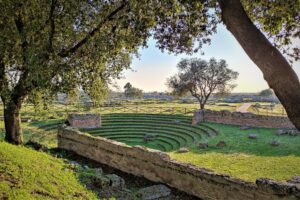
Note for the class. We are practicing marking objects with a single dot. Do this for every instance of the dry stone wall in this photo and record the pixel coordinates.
(89, 120)
(243, 119)
(157, 166)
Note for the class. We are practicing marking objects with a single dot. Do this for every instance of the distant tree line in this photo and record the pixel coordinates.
(132, 92)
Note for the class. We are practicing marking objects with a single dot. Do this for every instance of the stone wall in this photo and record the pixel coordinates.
(243, 119)
(89, 120)
(157, 166)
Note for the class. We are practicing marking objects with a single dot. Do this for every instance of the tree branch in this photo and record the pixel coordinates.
(21, 89)
(52, 25)
(3, 81)
(24, 44)
(65, 53)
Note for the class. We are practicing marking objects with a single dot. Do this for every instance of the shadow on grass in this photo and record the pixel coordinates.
(238, 141)
(47, 138)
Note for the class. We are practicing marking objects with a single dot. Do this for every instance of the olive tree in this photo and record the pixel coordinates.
(58, 45)
(201, 78)
(132, 92)
(266, 93)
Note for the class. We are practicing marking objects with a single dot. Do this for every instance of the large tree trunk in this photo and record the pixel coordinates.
(12, 121)
(275, 68)
(202, 105)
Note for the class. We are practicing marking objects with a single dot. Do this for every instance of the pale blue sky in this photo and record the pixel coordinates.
(151, 70)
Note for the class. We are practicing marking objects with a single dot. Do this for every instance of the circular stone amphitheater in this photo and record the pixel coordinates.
(157, 131)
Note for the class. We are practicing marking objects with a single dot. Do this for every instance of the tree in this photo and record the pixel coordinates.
(132, 92)
(266, 30)
(127, 86)
(266, 93)
(60, 45)
(280, 22)
(202, 78)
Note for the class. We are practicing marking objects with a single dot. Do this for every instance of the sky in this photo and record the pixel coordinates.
(151, 70)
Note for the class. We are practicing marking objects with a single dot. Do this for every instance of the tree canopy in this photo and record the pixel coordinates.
(201, 78)
(266, 93)
(57, 45)
(132, 92)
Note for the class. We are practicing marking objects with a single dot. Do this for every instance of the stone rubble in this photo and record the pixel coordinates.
(154, 192)
(183, 150)
(252, 136)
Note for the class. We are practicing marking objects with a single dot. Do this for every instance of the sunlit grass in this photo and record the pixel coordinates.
(242, 158)
(30, 132)
(245, 158)
(28, 174)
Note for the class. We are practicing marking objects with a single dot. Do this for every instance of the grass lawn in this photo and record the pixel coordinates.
(28, 174)
(247, 159)
(32, 131)
(168, 132)
(242, 158)
(132, 106)
(277, 110)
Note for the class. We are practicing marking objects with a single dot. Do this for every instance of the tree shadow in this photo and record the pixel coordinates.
(238, 141)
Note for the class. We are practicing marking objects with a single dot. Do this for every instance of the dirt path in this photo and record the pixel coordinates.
(243, 108)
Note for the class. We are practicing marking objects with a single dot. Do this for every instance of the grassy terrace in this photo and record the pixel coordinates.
(170, 132)
(43, 132)
(245, 158)
(28, 174)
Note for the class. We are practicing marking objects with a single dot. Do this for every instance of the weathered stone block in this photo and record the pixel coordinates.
(88, 120)
(242, 119)
(252, 136)
(154, 192)
(221, 144)
(275, 143)
(157, 166)
(115, 181)
(183, 150)
(198, 117)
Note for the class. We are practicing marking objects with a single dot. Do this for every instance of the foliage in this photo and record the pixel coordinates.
(245, 158)
(73, 96)
(266, 93)
(132, 92)
(279, 20)
(36, 98)
(60, 45)
(36, 175)
(202, 78)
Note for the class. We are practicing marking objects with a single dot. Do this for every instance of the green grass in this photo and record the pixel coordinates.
(171, 131)
(43, 132)
(247, 159)
(28, 174)
(278, 109)
(132, 106)
(242, 158)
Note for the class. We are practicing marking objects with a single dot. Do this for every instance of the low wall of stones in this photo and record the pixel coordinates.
(88, 120)
(243, 119)
(157, 166)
